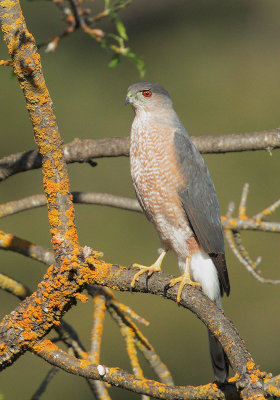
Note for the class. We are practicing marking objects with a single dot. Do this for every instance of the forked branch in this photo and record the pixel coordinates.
(233, 226)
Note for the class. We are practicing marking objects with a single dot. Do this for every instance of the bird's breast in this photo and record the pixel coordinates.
(157, 179)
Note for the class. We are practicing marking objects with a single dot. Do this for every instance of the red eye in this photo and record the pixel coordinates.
(147, 93)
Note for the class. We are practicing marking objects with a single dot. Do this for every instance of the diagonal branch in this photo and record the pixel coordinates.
(120, 378)
(84, 150)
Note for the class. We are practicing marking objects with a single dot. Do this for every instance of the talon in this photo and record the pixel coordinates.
(184, 279)
(155, 267)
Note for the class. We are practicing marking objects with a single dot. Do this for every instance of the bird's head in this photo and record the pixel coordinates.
(148, 96)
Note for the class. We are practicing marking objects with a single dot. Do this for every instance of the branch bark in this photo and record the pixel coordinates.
(85, 150)
(120, 378)
(36, 315)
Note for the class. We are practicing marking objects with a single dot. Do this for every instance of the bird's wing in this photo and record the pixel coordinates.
(200, 203)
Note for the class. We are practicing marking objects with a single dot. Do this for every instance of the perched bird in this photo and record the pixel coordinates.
(177, 195)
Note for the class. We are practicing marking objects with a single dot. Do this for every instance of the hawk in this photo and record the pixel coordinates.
(177, 195)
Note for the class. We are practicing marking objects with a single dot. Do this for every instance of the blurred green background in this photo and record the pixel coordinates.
(220, 61)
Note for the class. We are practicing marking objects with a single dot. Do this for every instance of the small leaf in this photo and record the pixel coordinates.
(121, 29)
(114, 61)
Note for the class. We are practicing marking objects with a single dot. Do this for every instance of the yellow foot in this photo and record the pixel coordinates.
(155, 267)
(184, 279)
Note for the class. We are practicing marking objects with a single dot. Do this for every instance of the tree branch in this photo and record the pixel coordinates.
(120, 378)
(26, 248)
(39, 200)
(14, 287)
(84, 150)
(36, 315)
(254, 223)
(99, 304)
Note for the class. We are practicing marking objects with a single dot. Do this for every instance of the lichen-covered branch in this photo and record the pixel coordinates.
(36, 315)
(7, 63)
(120, 278)
(27, 67)
(120, 378)
(99, 304)
(85, 150)
(14, 287)
(117, 377)
(123, 316)
(233, 226)
(26, 248)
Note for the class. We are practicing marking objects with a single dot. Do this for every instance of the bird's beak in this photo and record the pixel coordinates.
(128, 99)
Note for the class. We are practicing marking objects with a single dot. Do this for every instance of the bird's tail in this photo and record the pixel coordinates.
(219, 359)
(204, 271)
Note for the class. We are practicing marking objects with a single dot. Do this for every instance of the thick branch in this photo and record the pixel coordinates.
(36, 315)
(27, 67)
(84, 150)
(120, 278)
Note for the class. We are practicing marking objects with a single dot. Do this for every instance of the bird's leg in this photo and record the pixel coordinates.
(155, 267)
(184, 279)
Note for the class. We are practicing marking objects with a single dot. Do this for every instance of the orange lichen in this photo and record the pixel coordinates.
(82, 297)
(54, 217)
(46, 306)
(233, 222)
(250, 365)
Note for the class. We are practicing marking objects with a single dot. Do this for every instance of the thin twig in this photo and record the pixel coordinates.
(99, 303)
(130, 339)
(5, 63)
(267, 211)
(243, 251)
(122, 314)
(231, 241)
(233, 226)
(75, 18)
(242, 214)
(70, 337)
(43, 386)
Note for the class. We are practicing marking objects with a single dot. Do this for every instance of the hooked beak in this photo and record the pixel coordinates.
(128, 99)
